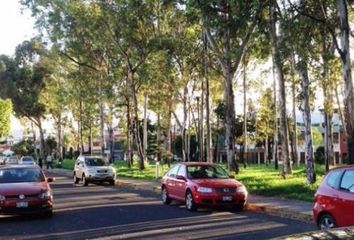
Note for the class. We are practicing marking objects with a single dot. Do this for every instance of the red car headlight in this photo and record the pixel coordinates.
(204, 190)
(2, 198)
(241, 189)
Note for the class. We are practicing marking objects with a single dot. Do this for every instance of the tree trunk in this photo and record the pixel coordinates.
(59, 149)
(136, 122)
(169, 137)
(286, 166)
(41, 136)
(90, 138)
(201, 126)
(185, 151)
(294, 154)
(348, 83)
(209, 142)
(266, 151)
(145, 127)
(310, 169)
(80, 129)
(158, 139)
(328, 146)
(230, 120)
(244, 157)
(129, 154)
(102, 138)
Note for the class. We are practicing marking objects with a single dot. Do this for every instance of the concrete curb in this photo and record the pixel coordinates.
(273, 206)
(281, 212)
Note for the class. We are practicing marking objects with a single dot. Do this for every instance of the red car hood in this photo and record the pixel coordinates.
(217, 183)
(28, 188)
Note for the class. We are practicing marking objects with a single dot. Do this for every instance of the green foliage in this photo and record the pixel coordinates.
(5, 114)
(24, 76)
(50, 145)
(24, 147)
(68, 164)
(317, 138)
(265, 115)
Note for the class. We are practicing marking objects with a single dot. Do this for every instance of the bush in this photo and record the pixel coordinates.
(24, 147)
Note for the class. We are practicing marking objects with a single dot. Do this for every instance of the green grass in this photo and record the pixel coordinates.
(148, 173)
(68, 164)
(266, 181)
(259, 179)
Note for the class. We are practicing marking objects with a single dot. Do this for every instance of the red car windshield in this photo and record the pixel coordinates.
(16, 175)
(198, 172)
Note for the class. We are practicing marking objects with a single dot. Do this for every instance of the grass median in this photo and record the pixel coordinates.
(259, 179)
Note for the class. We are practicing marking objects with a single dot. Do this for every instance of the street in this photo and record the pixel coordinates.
(105, 212)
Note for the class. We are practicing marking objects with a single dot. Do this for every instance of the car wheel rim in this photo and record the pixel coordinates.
(189, 201)
(327, 223)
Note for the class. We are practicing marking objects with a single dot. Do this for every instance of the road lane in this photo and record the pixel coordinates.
(106, 212)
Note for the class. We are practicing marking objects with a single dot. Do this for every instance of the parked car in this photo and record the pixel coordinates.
(198, 183)
(27, 160)
(24, 189)
(93, 169)
(12, 160)
(334, 199)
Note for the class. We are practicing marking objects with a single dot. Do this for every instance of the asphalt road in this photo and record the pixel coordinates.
(105, 212)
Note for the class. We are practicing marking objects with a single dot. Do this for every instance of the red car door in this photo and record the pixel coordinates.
(346, 199)
(181, 181)
(171, 181)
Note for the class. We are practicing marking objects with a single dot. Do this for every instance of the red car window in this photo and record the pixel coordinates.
(333, 179)
(182, 171)
(197, 172)
(13, 175)
(347, 182)
(173, 172)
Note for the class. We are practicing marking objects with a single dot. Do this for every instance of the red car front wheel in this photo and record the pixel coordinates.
(190, 204)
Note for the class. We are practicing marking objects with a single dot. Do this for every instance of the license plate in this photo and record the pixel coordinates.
(22, 204)
(227, 198)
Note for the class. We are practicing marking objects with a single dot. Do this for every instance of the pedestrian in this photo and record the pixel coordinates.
(40, 162)
(49, 161)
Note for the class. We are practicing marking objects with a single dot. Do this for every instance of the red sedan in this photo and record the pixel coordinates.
(334, 199)
(205, 184)
(24, 189)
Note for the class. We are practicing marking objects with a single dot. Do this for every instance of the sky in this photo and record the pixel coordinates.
(16, 26)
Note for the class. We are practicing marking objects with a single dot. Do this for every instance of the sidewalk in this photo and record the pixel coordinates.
(295, 209)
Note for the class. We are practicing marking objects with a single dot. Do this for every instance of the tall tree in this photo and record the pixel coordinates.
(265, 120)
(25, 80)
(228, 27)
(6, 110)
(279, 74)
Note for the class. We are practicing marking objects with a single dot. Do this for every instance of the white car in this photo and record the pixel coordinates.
(27, 160)
(93, 169)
